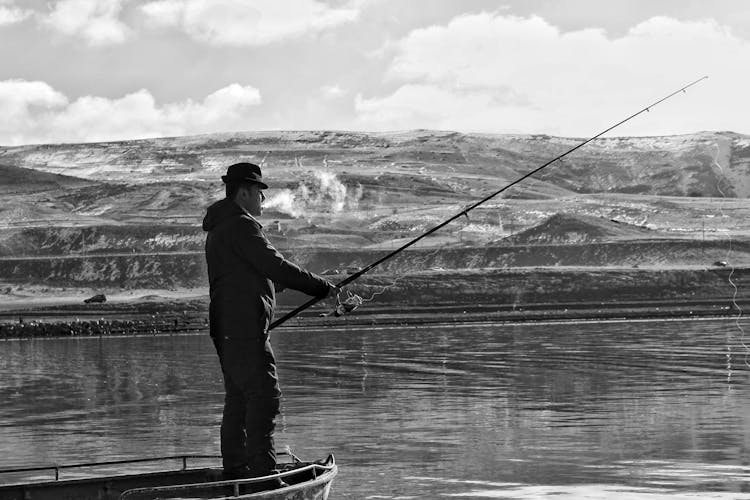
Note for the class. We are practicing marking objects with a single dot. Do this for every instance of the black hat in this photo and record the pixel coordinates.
(249, 172)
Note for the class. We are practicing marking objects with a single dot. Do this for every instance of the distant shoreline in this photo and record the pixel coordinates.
(498, 295)
(54, 322)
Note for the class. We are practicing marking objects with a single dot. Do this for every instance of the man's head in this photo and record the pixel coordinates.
(244, 185)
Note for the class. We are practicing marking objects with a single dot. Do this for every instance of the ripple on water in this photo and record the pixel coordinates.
(597, 410)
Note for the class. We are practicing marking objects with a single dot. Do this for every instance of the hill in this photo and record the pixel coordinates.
(391, 184)
(565, 228)
(14, 180)
(701, 164)
(127, 214)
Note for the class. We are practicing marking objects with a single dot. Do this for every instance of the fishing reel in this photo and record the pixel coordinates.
(347, 305)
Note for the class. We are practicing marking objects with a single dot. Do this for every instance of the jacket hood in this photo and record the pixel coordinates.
(219, 212)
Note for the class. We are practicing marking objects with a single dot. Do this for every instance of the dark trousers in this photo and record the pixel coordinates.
(250, 411)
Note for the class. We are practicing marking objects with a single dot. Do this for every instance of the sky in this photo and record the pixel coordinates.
(107, 70)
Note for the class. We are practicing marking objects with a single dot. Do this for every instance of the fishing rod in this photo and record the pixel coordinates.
(465, 211)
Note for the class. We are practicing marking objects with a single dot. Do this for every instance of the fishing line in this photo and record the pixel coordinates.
(464, 212)
(382, 290)
(385, 288)
(727, 259)
(352, 300)
(265, 157)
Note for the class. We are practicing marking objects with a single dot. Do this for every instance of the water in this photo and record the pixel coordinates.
(597, 410)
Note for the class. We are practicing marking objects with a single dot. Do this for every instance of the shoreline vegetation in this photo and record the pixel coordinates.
(517, 295)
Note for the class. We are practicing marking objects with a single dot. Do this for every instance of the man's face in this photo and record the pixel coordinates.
(251, 197)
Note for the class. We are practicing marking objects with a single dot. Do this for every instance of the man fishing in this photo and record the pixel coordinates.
(243, 267)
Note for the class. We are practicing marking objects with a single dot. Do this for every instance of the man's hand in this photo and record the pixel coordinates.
(333, 290)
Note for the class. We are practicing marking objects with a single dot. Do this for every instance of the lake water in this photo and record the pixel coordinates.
(654, 410)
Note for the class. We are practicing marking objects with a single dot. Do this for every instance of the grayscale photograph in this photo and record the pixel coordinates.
(374, 249)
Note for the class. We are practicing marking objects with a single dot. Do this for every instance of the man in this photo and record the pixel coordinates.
(242, 269)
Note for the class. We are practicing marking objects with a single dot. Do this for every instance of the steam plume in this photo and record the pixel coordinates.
(324, 192)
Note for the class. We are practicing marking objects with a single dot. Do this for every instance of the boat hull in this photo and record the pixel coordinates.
(306, 481)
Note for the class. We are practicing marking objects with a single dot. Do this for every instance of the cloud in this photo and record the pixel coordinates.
(24, 106)
(34, 112)
(10, 14)
(243, 23)
(435, 107)
(496, 73)
(332, 91)
(96, 21)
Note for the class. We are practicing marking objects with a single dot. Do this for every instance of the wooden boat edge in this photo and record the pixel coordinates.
(330, 472)
(117, 485)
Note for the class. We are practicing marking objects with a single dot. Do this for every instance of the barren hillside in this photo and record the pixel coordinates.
(130, 212)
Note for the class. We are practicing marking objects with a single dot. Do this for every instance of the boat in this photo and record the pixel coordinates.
(151, 478)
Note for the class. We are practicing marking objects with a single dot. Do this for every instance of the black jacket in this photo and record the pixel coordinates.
(242, 269)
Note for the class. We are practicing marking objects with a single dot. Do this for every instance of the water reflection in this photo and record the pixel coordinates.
(616, 410)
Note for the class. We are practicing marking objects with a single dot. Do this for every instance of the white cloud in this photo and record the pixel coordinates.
(243, 23)
(34, 112)
(332, 91)
(10, 14)
(164, 12)
(226, 109)
(96, 21)
(488, 72)
(25, 105)
(434, 107)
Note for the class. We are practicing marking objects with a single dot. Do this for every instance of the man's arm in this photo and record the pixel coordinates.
(253, 244)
